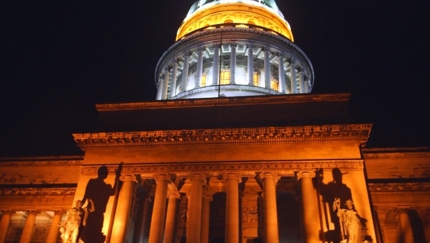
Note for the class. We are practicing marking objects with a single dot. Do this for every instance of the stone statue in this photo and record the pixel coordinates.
(70, 227)
(350, 224)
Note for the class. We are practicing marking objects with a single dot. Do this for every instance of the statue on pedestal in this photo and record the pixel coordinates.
(70, 227)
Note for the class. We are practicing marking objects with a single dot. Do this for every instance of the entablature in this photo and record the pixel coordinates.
(256, 135)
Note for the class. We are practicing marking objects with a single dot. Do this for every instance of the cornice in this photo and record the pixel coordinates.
(416, 152)
(423, 187)
(43, 159)
(285, 168)
(224, 102)
(257, 135)
(37, 191)
(45, 162)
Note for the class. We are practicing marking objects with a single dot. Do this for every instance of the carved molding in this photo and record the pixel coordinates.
(399, 187)
(37, 191)
(285, 168)
(41, 161)
(258, 135)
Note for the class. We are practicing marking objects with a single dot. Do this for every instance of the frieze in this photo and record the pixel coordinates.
(36, 191)
(283, 167)
(31, 161)
(256, 135)
(399, 187)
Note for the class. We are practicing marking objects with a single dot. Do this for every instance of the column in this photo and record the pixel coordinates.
(215, 78)
(159, 210)
(405, 225)
(301, 81)
(195, 209)
(28, 227)
(4, 224)
(199, 70)
(293, 77)
(184, 82)
(205, 215)
(170, 229)
(233, 64)
(172, 92)
(306, 84)
(165, 83)
(123, 208)
(270, 207)
(266, 68)
(159, 89)
(309, 206)
(281, 70)
(141, 227)
(250, 65)
(232, 207)
(53, 231)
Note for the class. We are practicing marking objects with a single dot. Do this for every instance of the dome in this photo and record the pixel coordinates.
(233, 48)
(262, 14)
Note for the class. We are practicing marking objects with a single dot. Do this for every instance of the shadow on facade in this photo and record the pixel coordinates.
(97, 194)
(338, 207)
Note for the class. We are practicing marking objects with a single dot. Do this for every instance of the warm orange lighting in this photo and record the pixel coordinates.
(238, 13)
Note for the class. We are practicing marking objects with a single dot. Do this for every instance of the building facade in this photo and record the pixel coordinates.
(235, 149)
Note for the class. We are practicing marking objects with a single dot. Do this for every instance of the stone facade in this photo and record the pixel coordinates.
(238, 184)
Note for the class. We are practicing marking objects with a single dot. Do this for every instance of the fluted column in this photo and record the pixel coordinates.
(123, 209)
(293, 77)
(206, 198)
(141, 228)
(53, 230)
(170, 229)
(159, 89)
(172, 91)
(195, 209)
(215, 77)
(4, 224)
(232, 207)
(281, 70)
(184, 81)
(309, 207)
(301, 81)
(250, 65)
(405, 225)
(270, 207)
(267, 68)
(28, 227)
(199, 70)
(233, 64)
(159, 210)
(165, 83)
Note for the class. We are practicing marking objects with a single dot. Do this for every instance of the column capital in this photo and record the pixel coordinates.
(268, 174)
(128, 178)
(200, 48)
(197, 176)
(403, 208)
(233, 175)
(305, 174)
(164, 177)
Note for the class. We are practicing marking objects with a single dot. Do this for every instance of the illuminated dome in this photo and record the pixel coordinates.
(213, 13)
(233, 48)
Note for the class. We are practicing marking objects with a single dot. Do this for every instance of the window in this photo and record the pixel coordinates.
(225, 77)
(255, 79)
(203, 80)
(274, 85)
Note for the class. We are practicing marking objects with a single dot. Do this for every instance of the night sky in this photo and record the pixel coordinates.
(60, 58)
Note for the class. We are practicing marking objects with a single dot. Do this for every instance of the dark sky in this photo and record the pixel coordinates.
(60, 58)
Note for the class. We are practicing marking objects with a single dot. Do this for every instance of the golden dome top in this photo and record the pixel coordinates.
(257, 14)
